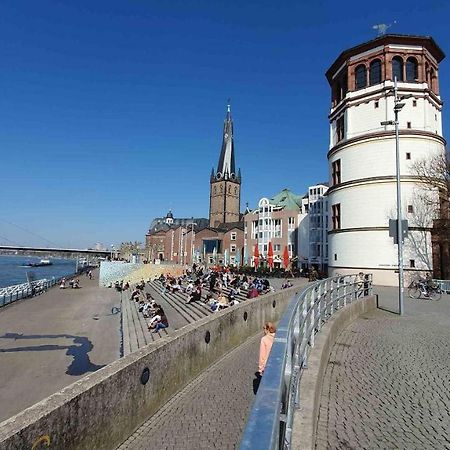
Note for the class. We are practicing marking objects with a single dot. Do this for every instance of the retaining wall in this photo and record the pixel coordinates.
(104, 408)
(305, 419)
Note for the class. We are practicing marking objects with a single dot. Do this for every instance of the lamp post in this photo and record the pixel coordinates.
(398, 105)
(192, 241)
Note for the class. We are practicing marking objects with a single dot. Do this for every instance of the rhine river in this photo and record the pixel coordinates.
(11, 271)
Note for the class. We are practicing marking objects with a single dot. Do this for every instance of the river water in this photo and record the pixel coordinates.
(12, 272)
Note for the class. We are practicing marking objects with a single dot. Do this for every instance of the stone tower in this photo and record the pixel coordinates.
(225, 183)
(362, 154)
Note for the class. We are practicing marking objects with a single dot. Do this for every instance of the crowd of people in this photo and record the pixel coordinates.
(218, 288)
(222, 286)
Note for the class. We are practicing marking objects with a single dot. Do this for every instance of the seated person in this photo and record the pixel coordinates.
(222, 302)
(252, 293)
(196, 294)
(161, 322)
(232, 294)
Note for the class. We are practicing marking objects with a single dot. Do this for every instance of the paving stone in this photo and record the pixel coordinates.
(387, 384)
(211, 411)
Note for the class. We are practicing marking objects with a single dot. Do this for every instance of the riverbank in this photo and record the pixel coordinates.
(49, 341)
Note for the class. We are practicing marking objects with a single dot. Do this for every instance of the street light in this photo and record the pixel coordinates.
(398, 105)
(192, 241)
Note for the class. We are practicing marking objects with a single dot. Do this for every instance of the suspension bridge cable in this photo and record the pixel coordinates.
(28, 231)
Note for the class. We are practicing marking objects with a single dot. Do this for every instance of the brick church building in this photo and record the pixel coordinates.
(217, 240)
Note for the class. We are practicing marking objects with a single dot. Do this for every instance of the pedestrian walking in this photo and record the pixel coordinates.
(266, 345)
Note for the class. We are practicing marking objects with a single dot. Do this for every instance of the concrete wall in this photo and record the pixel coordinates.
(305, 419)
(112, 271)
(104, 408)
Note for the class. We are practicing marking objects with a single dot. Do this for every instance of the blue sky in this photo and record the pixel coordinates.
(111, 112)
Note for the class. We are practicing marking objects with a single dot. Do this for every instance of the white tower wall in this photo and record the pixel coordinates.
(364, 193)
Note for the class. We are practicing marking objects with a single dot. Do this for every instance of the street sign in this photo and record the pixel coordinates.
(393, 230)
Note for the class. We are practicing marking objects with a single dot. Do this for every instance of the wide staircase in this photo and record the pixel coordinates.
(179, 313)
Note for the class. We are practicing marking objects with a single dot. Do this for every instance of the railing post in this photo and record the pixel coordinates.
(312, 319)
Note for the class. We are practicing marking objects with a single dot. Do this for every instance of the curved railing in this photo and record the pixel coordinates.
(270, 423)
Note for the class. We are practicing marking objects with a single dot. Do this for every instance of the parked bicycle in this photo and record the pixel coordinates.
(423, 289)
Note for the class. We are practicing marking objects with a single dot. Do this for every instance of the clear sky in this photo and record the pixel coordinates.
(111, 112)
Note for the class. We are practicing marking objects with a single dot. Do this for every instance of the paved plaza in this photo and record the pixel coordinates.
(387, 384)
(49, 341)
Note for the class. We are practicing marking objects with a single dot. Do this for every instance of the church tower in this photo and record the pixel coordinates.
(225, 183)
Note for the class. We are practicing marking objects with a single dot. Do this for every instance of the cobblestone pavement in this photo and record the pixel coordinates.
(387, 384)
(210, 413)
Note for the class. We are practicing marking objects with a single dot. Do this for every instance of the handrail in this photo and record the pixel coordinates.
(444, 285)
(270, 422)
(16, 292)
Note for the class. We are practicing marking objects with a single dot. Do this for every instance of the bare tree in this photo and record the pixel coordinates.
(433, 175)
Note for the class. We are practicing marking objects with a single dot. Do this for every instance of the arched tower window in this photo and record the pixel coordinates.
(397, 68)
(412, 73)
(375, 72)
(432, 79)
(427, 73)
(360, 76)
(338, 92)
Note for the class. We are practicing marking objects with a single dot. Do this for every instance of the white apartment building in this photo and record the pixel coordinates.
(313, 228)
(362, 162)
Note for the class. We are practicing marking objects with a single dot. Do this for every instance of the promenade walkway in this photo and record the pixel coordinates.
(387, 384)
(49, 341)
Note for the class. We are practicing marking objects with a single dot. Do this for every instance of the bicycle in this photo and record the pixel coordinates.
(417, 289)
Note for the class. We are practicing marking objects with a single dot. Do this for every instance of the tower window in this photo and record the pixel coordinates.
(360, 76)
(336, 216)
(408, 155)
(412, 263)
(376, 104)
(414, 103)
(435, 117)
(397, 68)
(336, 171)
(432, 79)
(410, 209)
(411, 70)
(340, 128)
(408, 124)
(375, 72)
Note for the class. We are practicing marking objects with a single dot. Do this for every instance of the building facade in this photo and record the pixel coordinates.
(313, 229)
(275, 220)
(362, 161)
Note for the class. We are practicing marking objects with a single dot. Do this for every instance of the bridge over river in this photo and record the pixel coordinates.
(54, 251)
(384, 383)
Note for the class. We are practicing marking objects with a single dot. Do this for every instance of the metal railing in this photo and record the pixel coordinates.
(270, 422)
(444, 285)
(16, 292)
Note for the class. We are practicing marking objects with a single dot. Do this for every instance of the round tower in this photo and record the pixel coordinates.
(362, 160)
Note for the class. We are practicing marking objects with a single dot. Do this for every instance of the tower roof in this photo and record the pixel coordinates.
(386, 39)
(226, 164)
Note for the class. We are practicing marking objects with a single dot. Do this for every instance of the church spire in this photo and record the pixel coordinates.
(226, 166)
